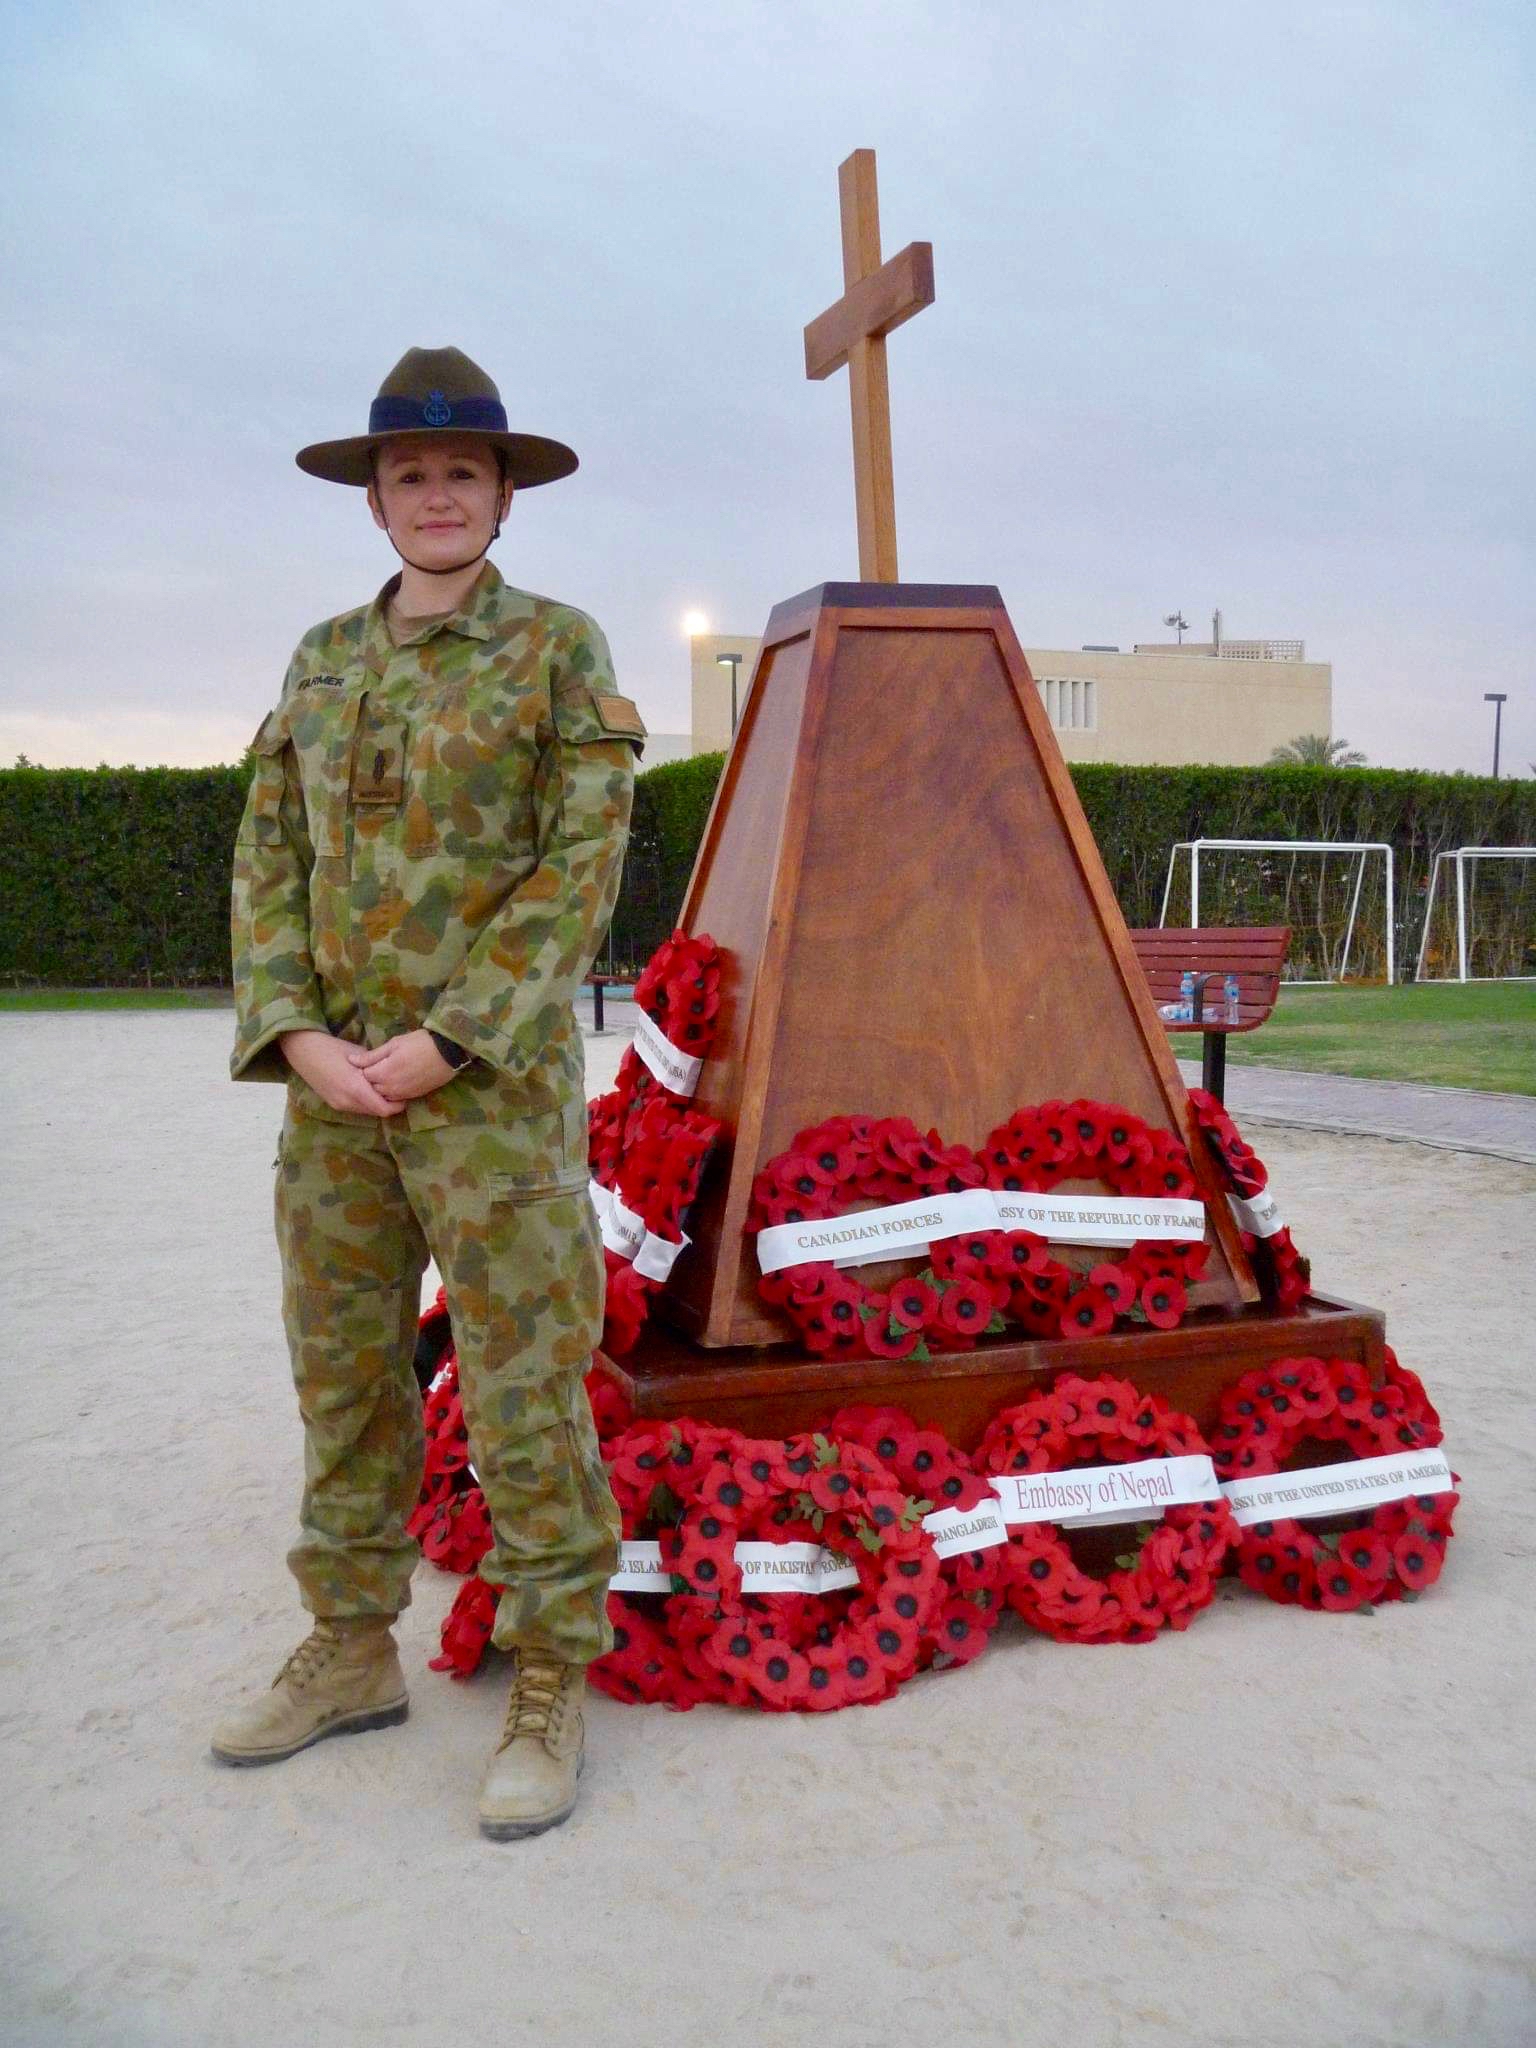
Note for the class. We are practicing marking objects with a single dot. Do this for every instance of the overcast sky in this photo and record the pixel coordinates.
(1235, 307)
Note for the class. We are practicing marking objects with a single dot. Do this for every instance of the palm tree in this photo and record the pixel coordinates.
(1316, 750)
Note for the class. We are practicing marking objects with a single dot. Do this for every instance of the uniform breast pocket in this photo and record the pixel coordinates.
(323, 725)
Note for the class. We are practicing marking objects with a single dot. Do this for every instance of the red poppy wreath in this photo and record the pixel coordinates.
(976, 1284)
(973, 1579)
(647, 1148)
(1169, 1568)
(1284, 1275)
(790, 1502)
(1394, 1549)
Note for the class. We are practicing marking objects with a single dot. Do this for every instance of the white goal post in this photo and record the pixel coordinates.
(1360, 848)
(1518, 942)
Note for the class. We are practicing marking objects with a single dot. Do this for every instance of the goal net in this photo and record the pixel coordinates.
(1336, 895)
(1480, 916)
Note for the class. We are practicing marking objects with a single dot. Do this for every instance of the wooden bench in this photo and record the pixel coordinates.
(1255, 954)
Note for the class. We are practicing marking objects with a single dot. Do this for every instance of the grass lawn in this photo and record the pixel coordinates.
(114, 999)
(1477, 1035)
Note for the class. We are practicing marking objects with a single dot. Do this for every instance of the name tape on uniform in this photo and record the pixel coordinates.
(1259, 1214)
(900, 1229)
(1336, 1489)
(676, 1070)
(1086, 1496)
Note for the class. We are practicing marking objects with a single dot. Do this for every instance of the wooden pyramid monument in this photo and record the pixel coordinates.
(914, 920)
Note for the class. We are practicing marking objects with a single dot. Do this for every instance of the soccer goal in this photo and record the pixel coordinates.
(1337, 896)
(1480, 916)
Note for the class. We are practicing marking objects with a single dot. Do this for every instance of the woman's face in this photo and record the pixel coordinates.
(438, 496)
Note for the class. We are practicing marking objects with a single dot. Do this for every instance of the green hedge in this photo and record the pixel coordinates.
(119, 877)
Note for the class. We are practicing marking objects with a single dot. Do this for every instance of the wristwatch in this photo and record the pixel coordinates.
(455, 1055)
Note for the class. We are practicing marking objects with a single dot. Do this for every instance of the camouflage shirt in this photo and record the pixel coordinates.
(433, 839)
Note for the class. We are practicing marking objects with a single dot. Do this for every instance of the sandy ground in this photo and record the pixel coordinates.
(1280, 1828)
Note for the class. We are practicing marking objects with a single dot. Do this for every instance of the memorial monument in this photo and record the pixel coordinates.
(914, 920)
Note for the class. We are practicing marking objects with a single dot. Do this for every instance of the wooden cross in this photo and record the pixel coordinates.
(876, 298)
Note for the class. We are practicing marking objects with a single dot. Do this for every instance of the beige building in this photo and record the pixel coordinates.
(1226, 701)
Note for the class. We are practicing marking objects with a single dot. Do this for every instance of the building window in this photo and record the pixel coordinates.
(1071, 702)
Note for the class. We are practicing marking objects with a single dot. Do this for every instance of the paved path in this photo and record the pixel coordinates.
(1451, 1119)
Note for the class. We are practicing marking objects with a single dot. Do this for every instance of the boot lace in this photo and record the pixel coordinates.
(537, 1702)
(310, 1658)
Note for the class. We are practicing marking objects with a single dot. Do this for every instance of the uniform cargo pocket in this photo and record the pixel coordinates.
(600, 1509)
(554, 1143)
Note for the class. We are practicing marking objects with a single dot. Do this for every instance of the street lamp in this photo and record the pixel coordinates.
(732, 662)
(1497, 699)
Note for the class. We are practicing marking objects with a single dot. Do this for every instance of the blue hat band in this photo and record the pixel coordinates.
(406, 415)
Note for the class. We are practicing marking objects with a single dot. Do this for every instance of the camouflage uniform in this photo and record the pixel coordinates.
(433, 839)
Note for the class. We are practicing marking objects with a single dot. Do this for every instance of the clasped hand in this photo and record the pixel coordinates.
(378, 1081)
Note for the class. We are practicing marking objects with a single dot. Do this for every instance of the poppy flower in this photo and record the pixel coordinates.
(1088, 1126)
(1417, 1561)
(891, 1434)
(826, 1682)
(958, 1635)
(883, 1338)
(884, 1508)
(729, 1645)
(831, 1488)
(1163, 1303)
(1338, 1589)
(701, 1549)
(952, 1168)
(1105, 1407)
(467, 1628)
(1042, 1318)
(865, 1678)
(894, 1642)
(777, 1673)
(726, 1491)
(914, 1304)
(1089, 1313)
(966, 1308)
(949, 1260)
(1119, 1283)
(1043, 1572)
(928, 1455)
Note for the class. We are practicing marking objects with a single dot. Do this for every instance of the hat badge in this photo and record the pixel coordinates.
(437, 412)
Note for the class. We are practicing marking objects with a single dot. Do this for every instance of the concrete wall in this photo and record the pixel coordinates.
(1179, 707)
(712, 686)
(1144, 707)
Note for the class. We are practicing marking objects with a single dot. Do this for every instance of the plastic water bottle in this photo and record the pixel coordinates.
(1230, 990)
(1187, 995)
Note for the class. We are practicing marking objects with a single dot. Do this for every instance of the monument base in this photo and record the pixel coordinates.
(772, 1390)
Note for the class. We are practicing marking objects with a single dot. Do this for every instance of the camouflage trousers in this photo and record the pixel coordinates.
(505, 1212)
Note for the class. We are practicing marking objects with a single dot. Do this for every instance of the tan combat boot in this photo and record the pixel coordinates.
(343, 1677)
(530, 1783)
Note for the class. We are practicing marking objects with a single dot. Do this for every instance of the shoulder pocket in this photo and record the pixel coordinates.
(262, 824)
(582, 715)
(272, 733)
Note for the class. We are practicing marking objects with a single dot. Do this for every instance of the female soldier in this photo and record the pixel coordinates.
(426, 866)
